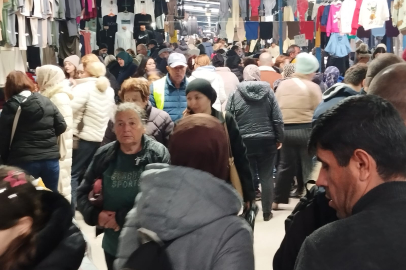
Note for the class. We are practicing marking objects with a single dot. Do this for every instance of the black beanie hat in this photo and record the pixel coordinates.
(203, 86)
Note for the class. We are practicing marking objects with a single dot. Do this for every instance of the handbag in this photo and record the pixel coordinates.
(234, 177)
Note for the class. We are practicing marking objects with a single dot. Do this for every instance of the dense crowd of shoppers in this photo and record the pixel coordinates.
(144, 145)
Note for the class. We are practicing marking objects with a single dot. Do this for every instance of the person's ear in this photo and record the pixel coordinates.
(363, 82)
(167, 68)
(364, 164)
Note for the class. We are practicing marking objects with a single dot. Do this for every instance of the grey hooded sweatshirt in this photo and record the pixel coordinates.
(258, 115)
(196, 209)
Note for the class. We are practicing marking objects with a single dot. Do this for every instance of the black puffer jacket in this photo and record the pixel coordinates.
(238, 71)
(159, 125)
(240, 154)
(59, 244)
(258, 115)
(38, 127)
(152, 152)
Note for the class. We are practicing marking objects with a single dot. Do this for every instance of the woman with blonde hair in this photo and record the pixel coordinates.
(159, 123)
(50, 79)
(204, 70)
(92, 106)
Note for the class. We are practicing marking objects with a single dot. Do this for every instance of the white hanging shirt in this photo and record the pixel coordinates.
(346, 14)
(125, 40)
(108, 7)
(145, 6)
(373, 13)
(93, 43)
(125, 19)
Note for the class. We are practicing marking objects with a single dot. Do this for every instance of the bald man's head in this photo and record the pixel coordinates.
(390, 84)
(265, 59)
(378, 64)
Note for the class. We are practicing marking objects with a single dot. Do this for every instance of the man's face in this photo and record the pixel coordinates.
(102, 51)
(177, 74)
(273, 45)
(297, 51)
(341, 183)
(142, 50)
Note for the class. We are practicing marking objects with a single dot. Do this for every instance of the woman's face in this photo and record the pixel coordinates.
(135, 97)
(69, 67)
(81, 74)
(120, 61)
(150, 65)
(198, 103)
(128, 127)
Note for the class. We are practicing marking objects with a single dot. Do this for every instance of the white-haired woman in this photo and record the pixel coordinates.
(119, 164)
(92, 106)
(50, 81)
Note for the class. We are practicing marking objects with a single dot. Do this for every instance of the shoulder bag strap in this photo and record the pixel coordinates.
(301, 84)
(15, 122)
(230, 152)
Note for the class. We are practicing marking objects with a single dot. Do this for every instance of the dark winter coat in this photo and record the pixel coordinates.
(201, 49)
(373, 237)
(59, 244)
(154, 52)
(38, 127)
(152, 152)
(161, 64)
(258, 116)
(238, 71)
(240, 154)
(332, 97)
(159, 126)
(114, 68)
(126, 72)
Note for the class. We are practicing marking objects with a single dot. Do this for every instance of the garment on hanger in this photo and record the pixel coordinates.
(86, 37)
(93, 41)
(108, 7)
(254, 7)
(107, 37)
(244, 11)
(338, 45)
(22, 41)
(73, 9)
(292, 4)
(11, 59)
(293, 29)
(391, 30)
(92, 25)
(125, 19)
(324, 17)
(355, 17)
(145, 6)
(307, 28)
(302, 6)
(324, 40)
(288, 14)
(240, 30)
(265, 30)
(48, 56)
(333, 21)
(126, 5)
(399, 14)
(161, 8)
(287, 43)
(142, 19)
(111, 22)
(373, 13)
(68, 45)
(346, 14)
(362, 33)
(230, 29)
(125, 40)
(269, 6)
(33, 57)
(235, 12)
(319, 15)
(251, 30)
(276, 32)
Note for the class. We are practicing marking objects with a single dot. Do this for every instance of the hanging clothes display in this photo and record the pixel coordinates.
(293, 29)
(373, 13)
(288, 14)
(251, 30)
(355, 18)
(391, 30)
(333, 20)
(302, 6)
(110, 22)
(161, 8)
(127, 5)
(338, 45)
(107, 37)
(346, 14)
(109, 8)
(276, 31)
(399, 14)
(254, 4)
(307, 28)
(141, 19)
(124, 39)
(269, 6)
(265, 30)
(125, 19)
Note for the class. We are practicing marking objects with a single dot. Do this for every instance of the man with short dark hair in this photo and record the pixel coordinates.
(390, 84)
(361, 144)
(118, 50)
(153, 48)
(292, 52)
(353, 81)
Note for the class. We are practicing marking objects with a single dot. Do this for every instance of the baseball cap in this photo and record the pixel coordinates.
(177, 59)
(152, 41)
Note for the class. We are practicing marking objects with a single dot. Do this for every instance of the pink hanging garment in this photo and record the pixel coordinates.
(254, 7)
(333, 25)
(302, 6)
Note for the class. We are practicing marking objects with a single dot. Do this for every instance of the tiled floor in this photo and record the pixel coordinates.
(268, 236)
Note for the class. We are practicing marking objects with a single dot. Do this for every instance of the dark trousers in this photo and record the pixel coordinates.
(109, 261)
(262, 167)
(293, 154)
(48, 170)
(81, 158)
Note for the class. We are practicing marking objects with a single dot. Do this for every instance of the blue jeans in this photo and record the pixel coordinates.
(81, 159)
(48, 170)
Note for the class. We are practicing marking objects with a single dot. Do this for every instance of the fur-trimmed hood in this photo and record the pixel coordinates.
(56, 89)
